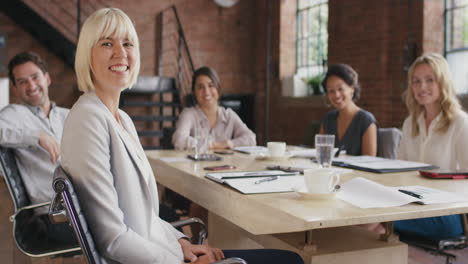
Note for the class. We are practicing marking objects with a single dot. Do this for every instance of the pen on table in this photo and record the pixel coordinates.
(337, 154)
(411, 193)
(272, 178)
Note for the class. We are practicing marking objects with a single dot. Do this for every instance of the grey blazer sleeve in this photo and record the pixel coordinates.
(86, 155)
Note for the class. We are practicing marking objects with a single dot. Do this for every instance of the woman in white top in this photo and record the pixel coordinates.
(207, 119)
(102, 153)
(433, 133)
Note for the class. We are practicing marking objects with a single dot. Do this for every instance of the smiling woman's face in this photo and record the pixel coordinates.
(339, 93)
(112, 61)
(206, 92)
(424, 85)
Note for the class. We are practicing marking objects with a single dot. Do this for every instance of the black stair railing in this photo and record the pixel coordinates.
(173, 53)
(55, 24)
(40, 29)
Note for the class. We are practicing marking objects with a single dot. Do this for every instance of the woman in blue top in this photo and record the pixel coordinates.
(355, 129)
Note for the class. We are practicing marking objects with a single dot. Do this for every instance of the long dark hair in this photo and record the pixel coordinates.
(211, 73)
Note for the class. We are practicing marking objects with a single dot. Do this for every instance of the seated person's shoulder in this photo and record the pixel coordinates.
(330, 116)
(87, 111)
(14, 109)
(367, 115)
(461, 119)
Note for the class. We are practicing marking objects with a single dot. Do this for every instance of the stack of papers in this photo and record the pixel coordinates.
(379, 165)
(307, 153)
(365, 193)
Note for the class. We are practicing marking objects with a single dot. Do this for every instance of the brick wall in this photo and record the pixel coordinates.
(369, 35)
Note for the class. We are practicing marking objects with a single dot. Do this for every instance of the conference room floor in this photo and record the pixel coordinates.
(420, 256)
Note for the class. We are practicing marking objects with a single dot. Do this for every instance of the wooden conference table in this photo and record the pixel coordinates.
(320, 230)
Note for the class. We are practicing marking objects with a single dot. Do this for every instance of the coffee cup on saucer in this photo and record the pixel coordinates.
(321, 181)
(276, 149)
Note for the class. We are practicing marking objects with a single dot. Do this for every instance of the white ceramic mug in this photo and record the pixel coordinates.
(321, 180)
(276, 148)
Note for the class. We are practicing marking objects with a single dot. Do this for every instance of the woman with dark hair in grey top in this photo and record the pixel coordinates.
(355, 129)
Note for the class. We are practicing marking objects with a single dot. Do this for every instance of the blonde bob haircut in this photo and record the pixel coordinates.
(449, 103)
(104, 23)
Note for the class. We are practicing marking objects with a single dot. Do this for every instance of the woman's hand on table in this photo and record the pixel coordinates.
(222, 145)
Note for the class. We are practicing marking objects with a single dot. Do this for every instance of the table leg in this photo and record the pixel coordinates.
(308, 244)
(389, 235)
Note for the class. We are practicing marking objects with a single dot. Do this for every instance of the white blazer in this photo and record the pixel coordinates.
(116, 186)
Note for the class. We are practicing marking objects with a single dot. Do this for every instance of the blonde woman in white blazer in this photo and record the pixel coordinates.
(102, 153)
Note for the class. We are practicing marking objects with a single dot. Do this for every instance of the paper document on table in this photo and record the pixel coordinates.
(174, 159)
(365, 193)
(432, 196)
(221, 177)
(254, 150)
(306, 153)
(379, 165)
(253, 185)
(302, 165)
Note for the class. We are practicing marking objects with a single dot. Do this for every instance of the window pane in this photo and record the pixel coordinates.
(457, 62)
(312, 36)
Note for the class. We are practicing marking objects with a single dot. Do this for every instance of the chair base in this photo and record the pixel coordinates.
(437, 247)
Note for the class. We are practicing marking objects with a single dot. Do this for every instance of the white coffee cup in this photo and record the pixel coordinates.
(276, 148)
(321, 180)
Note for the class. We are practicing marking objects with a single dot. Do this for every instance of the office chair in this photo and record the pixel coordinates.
(31, 245)
(388, 142)
(312, 129)
(439, 247)
(66, 207)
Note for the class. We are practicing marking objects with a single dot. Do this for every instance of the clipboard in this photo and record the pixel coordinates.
(222, 176)
(444, 174)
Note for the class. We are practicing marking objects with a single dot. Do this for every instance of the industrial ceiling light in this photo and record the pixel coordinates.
(226, 3)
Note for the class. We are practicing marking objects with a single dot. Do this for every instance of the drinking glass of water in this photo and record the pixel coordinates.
(324, 146)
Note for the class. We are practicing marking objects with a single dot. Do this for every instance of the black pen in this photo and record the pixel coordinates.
(272, 178)
(411, 193)
(337, 154)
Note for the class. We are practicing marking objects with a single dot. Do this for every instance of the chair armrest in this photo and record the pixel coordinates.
(231, 261)
(193, 221)
(57, 212)
(29, 207)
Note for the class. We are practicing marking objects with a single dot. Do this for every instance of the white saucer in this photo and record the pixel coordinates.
(316, 196)
(270, 158)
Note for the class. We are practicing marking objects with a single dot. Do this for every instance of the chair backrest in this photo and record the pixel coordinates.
(388, 142)
(312, 129)
(13, 178)
(63, 188)
(154, 103)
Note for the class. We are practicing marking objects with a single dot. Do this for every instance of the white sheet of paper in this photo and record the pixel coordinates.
(282, 184)
(306, 153)
(433, 196)
(174, 159)
(364, 193)
(253, 150)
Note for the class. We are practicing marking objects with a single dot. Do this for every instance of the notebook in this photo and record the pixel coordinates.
(222, 176)
(380, 165)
